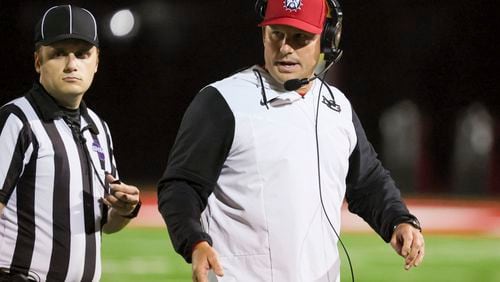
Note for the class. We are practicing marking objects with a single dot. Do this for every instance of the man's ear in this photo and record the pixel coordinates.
(263, 34)
(36, 56)
(97, 61)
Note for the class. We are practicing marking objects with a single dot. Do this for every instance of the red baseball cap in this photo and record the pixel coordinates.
(306, 15)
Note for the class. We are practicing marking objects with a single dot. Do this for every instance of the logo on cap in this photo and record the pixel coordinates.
(292, 5)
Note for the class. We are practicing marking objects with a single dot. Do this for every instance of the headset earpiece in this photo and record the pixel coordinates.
(327, 38)
(332, 30)
(260, 9)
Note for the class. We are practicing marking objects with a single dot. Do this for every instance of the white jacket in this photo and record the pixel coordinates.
(268, 179)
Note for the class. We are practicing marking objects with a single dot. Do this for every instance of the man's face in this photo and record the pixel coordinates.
(290, 53)
(67, 69)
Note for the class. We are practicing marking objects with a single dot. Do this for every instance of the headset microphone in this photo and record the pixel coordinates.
(294, 84)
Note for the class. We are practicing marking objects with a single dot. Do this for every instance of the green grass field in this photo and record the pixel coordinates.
(146, 255)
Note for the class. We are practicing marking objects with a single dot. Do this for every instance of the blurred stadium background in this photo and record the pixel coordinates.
(422, 75)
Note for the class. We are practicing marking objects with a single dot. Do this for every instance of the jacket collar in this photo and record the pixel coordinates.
(275, 93)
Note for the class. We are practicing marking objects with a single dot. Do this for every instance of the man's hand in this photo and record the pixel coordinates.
(122, 197)
(409, 243)
(205, 258)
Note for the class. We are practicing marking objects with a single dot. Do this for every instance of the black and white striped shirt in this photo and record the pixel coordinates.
(51, 182)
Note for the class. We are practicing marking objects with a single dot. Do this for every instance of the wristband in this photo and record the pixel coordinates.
(411, 221)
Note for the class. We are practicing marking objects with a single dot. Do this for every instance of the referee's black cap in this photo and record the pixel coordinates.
(66, 22)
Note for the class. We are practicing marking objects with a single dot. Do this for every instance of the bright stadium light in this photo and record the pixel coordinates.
(122, 23)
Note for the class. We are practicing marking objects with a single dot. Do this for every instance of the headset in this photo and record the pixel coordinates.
(332, 29)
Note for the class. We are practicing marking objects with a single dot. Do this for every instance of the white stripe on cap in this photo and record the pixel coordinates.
(95, 23)
(43, 21)
(70, 20)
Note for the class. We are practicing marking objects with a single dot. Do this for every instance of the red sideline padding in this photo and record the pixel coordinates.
(436, 216)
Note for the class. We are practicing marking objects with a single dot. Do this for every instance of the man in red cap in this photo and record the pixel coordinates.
(58, 177)
(265, 157)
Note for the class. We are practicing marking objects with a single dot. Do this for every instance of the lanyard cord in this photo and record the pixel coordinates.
(263, 91)
(319, 174)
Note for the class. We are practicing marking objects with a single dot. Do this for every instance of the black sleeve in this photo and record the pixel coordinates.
(371, 192)
(195, 162)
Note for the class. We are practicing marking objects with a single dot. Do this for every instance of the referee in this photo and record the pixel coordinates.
(59, 185)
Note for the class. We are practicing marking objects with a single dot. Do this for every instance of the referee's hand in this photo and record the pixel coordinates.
(122, 197)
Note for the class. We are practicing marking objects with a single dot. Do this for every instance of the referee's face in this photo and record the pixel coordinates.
(67, 69)
(290, 53)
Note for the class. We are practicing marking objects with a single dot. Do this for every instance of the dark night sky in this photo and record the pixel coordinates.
(440, 54)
